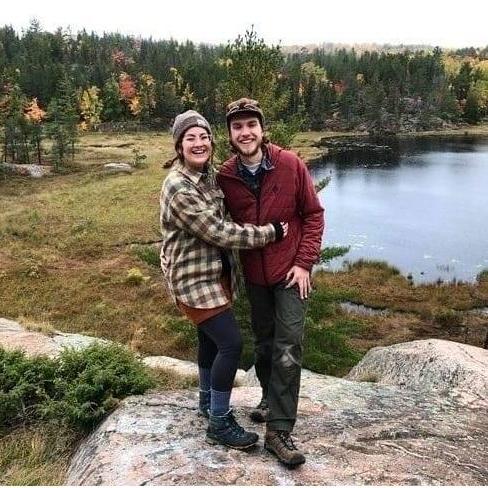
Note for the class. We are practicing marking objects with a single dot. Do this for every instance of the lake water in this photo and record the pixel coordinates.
(424, 210)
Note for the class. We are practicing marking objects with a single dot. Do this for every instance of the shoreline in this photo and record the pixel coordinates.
(304, 141)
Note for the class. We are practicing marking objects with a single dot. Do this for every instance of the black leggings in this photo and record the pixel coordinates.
(219, 349)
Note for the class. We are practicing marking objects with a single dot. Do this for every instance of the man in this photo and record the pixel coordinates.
(265, 183)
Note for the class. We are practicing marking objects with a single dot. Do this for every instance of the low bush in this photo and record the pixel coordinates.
(326, 348)
(76, 389)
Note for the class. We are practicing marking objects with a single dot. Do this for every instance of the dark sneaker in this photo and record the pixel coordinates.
(260, 413)
(204, 404)
(280, 443)
(226, 431)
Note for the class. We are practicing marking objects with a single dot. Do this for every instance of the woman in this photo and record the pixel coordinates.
(200, 271)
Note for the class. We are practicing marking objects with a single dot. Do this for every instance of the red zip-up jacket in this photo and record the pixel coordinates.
(287, 195)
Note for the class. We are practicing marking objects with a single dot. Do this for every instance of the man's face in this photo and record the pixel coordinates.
(246, 135)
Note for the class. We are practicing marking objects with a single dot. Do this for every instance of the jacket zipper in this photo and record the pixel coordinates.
(258, 212)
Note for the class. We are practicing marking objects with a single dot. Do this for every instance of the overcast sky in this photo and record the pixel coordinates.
(447, 23)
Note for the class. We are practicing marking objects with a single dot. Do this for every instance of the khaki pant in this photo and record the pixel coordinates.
(277, 318)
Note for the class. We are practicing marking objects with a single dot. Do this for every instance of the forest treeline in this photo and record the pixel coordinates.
(56, 84)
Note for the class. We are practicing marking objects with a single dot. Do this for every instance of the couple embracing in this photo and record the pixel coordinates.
(262, 201)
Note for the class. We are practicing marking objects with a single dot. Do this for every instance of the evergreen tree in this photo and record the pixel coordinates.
(62, 123)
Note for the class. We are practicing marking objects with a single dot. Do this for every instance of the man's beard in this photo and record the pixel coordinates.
(247, 154)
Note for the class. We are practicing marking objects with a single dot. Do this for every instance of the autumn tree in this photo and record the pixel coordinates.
(90, 107)
(35, 116)
(147, 96)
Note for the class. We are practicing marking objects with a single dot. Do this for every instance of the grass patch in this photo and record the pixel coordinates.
(37, 455)
(380, 267)
(45, 328)
(182, 337)
(147, 254)
(169, 380)
(448, 318)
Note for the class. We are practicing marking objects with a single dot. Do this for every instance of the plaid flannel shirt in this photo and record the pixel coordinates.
(195, 231)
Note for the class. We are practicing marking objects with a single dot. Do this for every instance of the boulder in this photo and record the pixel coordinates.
(432, 364)
(118, 167)
(31, 170)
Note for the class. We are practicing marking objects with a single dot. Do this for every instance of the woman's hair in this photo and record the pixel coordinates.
(179, 153)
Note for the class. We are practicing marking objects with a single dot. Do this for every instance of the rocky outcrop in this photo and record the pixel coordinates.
(351, 432)
(50, 343)
(447, 367)
(420, 430)
(344, 145)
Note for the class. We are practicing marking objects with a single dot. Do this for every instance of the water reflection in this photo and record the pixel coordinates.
(423, 208)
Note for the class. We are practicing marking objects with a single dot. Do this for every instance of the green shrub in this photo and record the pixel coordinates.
(24, 385)
(242, 312)
(76, 389)
(332, 252)
(326, 349)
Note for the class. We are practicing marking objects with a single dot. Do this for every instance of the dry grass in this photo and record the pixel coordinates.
(63, 255)
(36, 455)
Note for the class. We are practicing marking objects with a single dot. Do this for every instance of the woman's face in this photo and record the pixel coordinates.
(197, 147)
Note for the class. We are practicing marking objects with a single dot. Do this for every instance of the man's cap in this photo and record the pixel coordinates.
(244, 106)
(187, 120)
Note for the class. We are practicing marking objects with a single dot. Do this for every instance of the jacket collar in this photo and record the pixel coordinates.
(193, 175)
(265, 165)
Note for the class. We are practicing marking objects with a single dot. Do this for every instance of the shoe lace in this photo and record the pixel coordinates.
(285, 437)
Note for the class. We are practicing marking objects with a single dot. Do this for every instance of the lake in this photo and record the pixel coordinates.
(423, 209)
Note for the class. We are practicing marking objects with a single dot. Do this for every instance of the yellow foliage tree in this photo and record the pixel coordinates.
(90, 106)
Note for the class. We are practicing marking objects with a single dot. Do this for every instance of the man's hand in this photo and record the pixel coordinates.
(301, 277)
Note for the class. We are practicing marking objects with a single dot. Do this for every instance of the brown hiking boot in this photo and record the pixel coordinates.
(260, 413)
(280, 443)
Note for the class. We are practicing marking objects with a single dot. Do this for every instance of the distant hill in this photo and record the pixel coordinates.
(359, 48)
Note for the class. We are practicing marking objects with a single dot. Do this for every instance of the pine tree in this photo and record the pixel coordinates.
(62, 123)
